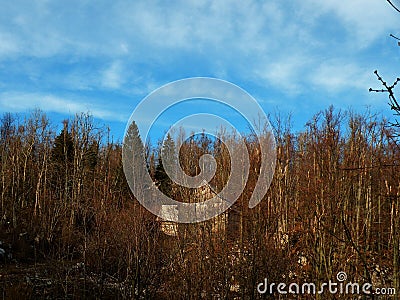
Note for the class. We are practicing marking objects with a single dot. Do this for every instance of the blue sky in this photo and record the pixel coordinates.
(294, 57)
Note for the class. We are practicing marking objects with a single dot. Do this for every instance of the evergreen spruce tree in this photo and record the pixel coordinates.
(168, 155)
(62, 157)
(134, 158)
(63, 149)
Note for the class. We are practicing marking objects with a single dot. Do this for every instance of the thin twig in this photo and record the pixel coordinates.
(388, 89)
(390, 2)
(395, 37)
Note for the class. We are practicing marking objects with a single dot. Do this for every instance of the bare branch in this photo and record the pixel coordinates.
(395, 37)
(394, 105)
(392, 5)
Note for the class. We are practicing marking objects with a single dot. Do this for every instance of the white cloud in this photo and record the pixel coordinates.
(364, 20)
(337, 76)
(130, 47)
(8, 44)
(21, 102)
(113, 76)
(146, 28)
(284, 73)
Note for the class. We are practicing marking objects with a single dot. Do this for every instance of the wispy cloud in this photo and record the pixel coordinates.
(337, 76)
(23, 102)
(364, 21)
(129, 48)
(112, 76)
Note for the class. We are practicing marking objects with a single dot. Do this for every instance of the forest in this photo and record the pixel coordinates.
(71, 227)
